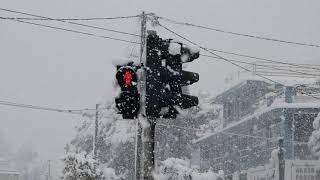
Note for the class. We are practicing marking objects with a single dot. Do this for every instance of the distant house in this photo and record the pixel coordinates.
(255, 115)
(6, 172)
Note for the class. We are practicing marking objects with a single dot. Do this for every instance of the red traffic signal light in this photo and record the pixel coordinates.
(128, 101)
(126, 77)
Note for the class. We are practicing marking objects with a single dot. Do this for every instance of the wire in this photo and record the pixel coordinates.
(82, 112)
(220, 57)
(19, 105)
(179, 127)
(238, 34)
(78, 32)
(283, 75)
(71, 19)
(261, 68)
(242, 62)
(269, 60)
(206, 49)
(230, 133)
(280, 69)
(64, 21)
(270, 67)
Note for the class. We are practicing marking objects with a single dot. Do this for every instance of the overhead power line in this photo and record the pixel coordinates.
(225, 59)
(309, 66)
(238, 34)
(83, 112)
(76, 31)
(72, 19)
(268, 66)
(221, 132)
(216, 55)
(64, 21)
(187, 129)
(305, 67)
(29, 106)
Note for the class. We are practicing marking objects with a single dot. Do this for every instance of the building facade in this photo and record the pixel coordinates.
(255, 115)
(6, 172)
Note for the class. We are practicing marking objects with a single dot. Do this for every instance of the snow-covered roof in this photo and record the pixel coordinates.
(237, 78)
(9, 172)
(5, 167)
(239, 88)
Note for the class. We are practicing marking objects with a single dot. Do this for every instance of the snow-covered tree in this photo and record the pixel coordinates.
(78, 166)
(173, 168)
(26, 161)
(174, 137)
(110, 174)
(178, 169)
(314, 141)
(116, 137)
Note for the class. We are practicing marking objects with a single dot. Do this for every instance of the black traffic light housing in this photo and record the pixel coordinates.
(165, 77)
(128, 102)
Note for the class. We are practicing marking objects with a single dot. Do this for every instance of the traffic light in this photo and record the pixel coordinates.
(180, 54)
(128, 102)
(165, 77)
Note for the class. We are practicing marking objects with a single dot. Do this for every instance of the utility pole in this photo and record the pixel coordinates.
(148, 148)
(138, 156)
(143, 34)
(49, 170)
(95, 133)
(281, 160)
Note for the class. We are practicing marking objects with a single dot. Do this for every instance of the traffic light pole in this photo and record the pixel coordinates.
(138, 151)
(95, 137)
(143, 34)
(95, 133)
(148, 148)
(139, 172)
(164, 82)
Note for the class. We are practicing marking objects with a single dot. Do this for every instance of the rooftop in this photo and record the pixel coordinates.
(307, 97)
(6, 168)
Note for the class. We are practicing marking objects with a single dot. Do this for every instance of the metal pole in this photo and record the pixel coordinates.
(143, 34)
(281, 160)
(139, 145)
(49, 170)
(148, 145)
(138, 151)
(95, 134)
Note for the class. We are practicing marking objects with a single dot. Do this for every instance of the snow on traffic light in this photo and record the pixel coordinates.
(128, 102)
(165, 77)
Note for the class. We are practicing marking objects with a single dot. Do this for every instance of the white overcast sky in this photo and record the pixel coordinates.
(60, 69)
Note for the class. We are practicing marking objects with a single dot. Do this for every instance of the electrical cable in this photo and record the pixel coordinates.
(270, 67)
(236, 33)
(44, 108)
(64, 21)
(206, 49)
(226, 133)
(76, 31)
(71, 19)
(270, 60)
(19, 105)
(220, 57)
